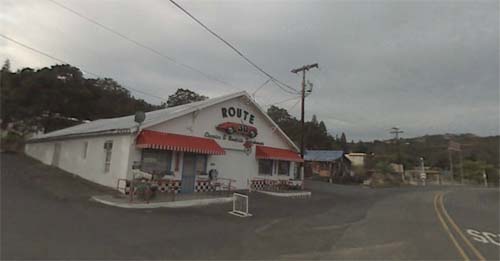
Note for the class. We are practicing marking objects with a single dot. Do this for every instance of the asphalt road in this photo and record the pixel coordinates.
(47, 214)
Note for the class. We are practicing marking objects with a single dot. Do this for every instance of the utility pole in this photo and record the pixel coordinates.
(396, 131)
(303, 69)
(455, 146)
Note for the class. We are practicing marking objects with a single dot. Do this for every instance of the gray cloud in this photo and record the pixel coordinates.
(425, 66)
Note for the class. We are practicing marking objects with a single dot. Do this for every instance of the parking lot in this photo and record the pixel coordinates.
(47, 214)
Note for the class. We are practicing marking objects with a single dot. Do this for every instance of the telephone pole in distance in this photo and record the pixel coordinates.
(396, 131)
(303, 69)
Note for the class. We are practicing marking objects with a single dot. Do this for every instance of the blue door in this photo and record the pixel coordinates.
(188, 173)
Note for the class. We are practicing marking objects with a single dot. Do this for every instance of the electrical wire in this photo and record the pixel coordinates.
(141, 45)
(278, 83)
(83, 70)
(283, 101)
(293, 106)
(260, 87)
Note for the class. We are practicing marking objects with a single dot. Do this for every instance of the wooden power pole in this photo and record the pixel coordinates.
(303, 69)
(396, 131)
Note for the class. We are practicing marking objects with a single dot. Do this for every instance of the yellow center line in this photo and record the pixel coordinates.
(447, 229)
(459, 231)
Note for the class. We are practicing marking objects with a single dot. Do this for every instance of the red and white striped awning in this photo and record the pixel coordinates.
(177, 142)
(263, 152)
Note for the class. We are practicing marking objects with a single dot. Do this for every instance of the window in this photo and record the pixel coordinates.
(108, 148)
(85, 148)
(266, 167)
(201, 165)
(156, 162)
(283, 168)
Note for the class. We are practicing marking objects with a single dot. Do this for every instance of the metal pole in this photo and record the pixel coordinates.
(485, 178)
(423, 176)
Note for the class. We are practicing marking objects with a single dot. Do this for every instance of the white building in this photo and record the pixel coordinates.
(356, 158)
(231, 134)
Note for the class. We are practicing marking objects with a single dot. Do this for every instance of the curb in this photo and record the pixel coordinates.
(173, 204)
(303, 194)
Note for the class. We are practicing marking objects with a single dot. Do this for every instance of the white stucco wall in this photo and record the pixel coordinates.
(92, 166)
(235, 164)
(43, 151)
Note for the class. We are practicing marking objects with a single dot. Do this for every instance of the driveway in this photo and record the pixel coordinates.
(46, 214)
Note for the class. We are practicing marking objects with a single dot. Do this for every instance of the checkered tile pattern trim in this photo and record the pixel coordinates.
(169, 186)
(175, 186)
(203, 186)
(163, 186)
(266, 184)
(261, 184)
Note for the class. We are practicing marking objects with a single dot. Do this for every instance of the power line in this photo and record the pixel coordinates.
(282, 101)
(64, 62)
(139, 44)
(278, 83)
(260, 87)
(293, 106)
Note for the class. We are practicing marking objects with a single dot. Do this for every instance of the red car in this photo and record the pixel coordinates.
(237, 128)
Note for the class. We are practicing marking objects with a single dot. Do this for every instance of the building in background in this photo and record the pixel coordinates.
(357, 158)
(327, 163)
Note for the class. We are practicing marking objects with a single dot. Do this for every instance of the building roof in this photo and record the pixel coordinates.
(323, 155)
(356, 154)
(126, 124)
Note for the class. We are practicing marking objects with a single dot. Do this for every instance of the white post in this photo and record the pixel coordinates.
(302, 175)
(485, 178)
(423, 176)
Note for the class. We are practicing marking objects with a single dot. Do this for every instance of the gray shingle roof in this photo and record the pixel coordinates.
(322, 155)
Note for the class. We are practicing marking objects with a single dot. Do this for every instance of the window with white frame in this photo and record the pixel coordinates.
(266, 167)
(108, 148)
(283, 168)
(85, 148)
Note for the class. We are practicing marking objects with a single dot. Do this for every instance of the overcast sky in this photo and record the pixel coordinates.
(428, 67)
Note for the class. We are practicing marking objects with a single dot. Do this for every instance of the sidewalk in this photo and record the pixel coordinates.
(180, 201)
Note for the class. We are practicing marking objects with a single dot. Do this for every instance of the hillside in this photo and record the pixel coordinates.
(53, 98)
(433, 148)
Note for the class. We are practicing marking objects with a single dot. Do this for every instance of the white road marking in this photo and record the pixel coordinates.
(484, 237)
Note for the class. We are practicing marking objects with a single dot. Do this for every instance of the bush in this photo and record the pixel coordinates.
(12, 142)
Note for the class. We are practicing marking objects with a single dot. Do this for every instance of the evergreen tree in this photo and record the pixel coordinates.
(343, 143)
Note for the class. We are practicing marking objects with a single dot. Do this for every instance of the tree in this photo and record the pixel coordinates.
(383, 167)
(6, 66)
(59, 96)
(343, 143)
(279, 115)
(314, 119)
(184, 96)
(473, 170)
